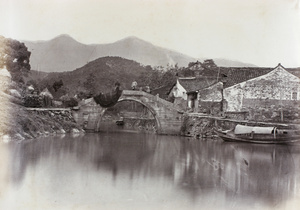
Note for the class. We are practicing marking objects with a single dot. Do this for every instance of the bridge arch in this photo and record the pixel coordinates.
(151, 109)
(167, 116)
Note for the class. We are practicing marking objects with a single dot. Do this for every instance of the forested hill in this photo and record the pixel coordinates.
(97, 76)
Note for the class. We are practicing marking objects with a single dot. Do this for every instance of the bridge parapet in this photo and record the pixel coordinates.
(151, 98)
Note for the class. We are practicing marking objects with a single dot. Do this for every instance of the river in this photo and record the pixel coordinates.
(143, 171)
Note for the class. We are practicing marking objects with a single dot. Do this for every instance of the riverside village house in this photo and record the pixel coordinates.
(244, 93)
(187, 90)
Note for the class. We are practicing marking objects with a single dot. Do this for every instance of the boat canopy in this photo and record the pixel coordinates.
(243, 129)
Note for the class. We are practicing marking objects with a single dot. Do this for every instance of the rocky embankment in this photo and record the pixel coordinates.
(197, 126)
(19, 123)
(43, 122)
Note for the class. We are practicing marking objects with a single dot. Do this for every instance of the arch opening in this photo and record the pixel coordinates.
(129, 115)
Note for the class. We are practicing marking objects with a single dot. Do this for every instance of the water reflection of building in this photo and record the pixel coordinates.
(253, 171)
(256, 172)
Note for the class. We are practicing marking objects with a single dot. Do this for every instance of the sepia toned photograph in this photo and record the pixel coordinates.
(150, 104)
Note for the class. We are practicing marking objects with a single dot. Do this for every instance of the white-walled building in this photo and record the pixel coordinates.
(278, 87)
(186, 90)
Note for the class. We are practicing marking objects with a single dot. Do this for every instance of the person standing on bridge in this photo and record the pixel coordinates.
(117, 86)
(147, 89)
(134, 85)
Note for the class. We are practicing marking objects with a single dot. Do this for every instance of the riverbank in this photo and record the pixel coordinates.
(19, 123)
(199, 125)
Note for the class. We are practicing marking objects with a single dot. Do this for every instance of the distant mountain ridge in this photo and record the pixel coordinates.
(63, 53)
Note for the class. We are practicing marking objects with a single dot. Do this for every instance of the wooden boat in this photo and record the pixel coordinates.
(120, 121)
(256, 134)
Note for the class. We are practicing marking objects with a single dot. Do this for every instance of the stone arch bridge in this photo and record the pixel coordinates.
(168, 118)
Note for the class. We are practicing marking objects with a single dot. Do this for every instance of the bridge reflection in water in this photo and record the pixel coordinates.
(127, 171)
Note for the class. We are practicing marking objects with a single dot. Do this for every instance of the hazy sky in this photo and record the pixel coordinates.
(261, 32)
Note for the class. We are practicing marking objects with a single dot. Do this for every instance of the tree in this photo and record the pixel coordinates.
(57, 84)
(168, 78)
(191, 64)
(209, 63)
(158, 77)
(15, 56)
(90, 84)
(148, 68)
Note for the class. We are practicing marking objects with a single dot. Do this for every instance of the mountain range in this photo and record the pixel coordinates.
(63, 53)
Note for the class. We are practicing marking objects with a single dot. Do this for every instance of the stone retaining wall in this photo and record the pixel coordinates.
(51, 121)
(201, 126)
(56, 114)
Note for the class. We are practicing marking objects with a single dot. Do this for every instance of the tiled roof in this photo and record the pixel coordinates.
(194, 84)
(163, 91)
(209, 73)
(294, 71)
(237, 75)
(228, 75)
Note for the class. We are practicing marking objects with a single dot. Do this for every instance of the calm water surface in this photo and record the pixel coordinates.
(139, 171)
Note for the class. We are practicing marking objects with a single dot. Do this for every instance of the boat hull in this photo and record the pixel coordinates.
(266, 139)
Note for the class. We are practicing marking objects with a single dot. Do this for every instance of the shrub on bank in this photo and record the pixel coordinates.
(34, 101)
